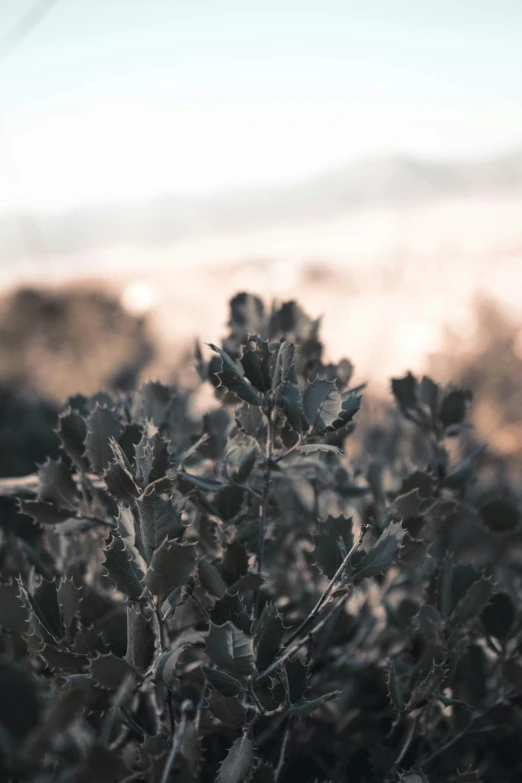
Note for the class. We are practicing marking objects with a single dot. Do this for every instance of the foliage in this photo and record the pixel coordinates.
(233, 598)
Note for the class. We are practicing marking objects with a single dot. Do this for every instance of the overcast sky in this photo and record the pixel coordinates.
(109, 100)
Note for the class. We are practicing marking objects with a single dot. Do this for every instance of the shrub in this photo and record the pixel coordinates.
(233, 599)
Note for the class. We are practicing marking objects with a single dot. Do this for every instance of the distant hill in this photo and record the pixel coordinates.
(383, 181)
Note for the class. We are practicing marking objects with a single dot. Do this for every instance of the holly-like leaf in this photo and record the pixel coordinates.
(268, 635)
(256, 364)
(241, 462)
(238, 762)
(231, 650)
(46, 513)
(118, 476)
(473, 603)
(56, 484)
(222, 681)
(46, 605)
(232, 378)
(141, 637)
(102, 425)
(228, 501)
(382, 553)
(14, 615)
(227, 709)
(72, 431)
(165, 665)
(210, 578)
(312, 448)
(170, 567)
(198, 482)
(159, 520)
(453, 407)
(305, 708)
(292, 404)
(321, 402)
(414, 777)
(109, 670)
(333, 541)
(432, 682)
(125, 567)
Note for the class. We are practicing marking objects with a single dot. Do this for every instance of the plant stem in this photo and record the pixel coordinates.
(177, 742)
(327, 593)
(281, 761)
(264, 499)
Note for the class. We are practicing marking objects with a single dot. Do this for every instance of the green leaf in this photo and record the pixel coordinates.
(333, 541)
(222, 681)
(268, 635)
(210, 578)
(305, 708)
(64, 660)
(231, 377)
(413, 777)
(56, 484)
(200, 482)
(165, 665)
(453, 407)
(141, 637)
(244, 460)
(231, 650)
(430, 622)
(47, 607)
(227, 709)
(102, 425)
(321, 402)
(292, 404)
(159, 520)
(256, 364)
(125, 567)
(109, 670)
(170, 567)
(473, 603)
(118, 476)
(46, 513)
(238, 763)
(424, 690)
(382, 553)
(395, 689)
(311, 448)
(72, 431)
(14, 615)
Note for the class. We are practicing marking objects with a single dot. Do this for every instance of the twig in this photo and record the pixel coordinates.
(280, 763)
(264, 501)
(448, 744)
(177, 740)
(327, 593)
(289, 451)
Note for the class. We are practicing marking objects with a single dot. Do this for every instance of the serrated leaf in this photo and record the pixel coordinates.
(110, 670)
(405, 391)
(256, 364)
(141, 637)
(235, 563)
(45, 513)
(395, 688)
(268, 635)
(56, 484)
(65, 660)
(222, 681)
(333, 541)
(102, 425)
(305, 708)
(72, 431)
(47, 607)
(413, 777)
(170, 567)
(245, 463)
(382, 553)
(14, 615)
(231, 377)
(246, 582)
(407, 505)
(231, 608)
(165, 665)
(159, 520)
(238, 762)
(427, 686)
(321, 402)
(69, 597)
(199, 482)
(292, 404)
(118, 476)
(210, 578)
(311, 448)
(125, 567)
(231, 650)
(227, 709)
(473, 603)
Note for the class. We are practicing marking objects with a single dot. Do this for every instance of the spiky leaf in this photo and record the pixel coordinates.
(382, 553)
(170, 567)
(268, 635)
(159, 520)
(305, 708)
(222, 681)
(227, 709)
(125, 567)
(231, 650)
(102, 425)
(333, 541)
(238, 762)
(232, 378)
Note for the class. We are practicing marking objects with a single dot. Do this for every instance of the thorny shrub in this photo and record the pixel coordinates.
(231, 598)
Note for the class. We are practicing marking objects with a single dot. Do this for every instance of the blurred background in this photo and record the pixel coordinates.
(364, 158)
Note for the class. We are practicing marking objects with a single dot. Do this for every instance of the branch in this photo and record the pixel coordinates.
(177, 740)
(327, 593)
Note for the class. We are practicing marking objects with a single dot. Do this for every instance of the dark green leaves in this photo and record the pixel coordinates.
(232, 378)
(231, 650)
(14, 615)
(102, 425)
(333, 541)
(238, 763)
(125, 567)
(170, 567)
(473, 602)
(268, 635)
(227, 709)
(223, 682)
(305, 708)
(159, 519)
(382, 553)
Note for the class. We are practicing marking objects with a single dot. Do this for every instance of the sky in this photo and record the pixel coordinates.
(109, 101)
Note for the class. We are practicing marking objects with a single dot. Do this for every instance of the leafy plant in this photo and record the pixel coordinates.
(233, 598)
